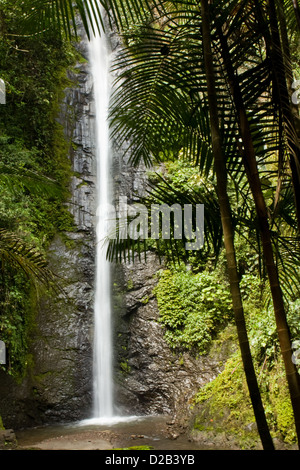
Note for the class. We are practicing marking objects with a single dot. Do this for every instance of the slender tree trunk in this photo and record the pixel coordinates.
(221, 174)
(249, 159)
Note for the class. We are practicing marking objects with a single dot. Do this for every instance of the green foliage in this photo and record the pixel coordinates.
(125, 367)
(192, 307)
(34, 171)
(33, 148)
(183, 175)
(260, 319)
(280, 404)
(224, 404)
(42, 15)
(226, 393)
(15, 320)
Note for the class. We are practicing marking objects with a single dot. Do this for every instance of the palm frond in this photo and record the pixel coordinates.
(292, 14)
(165, 193)
(42, 16)
(17, 253)
(19, 177)
(158, 105)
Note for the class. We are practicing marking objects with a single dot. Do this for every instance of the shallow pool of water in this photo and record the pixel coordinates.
(127, 431)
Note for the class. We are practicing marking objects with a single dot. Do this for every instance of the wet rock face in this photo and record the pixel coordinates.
(62, 346)
(62, 375)
(58, 384)
(153, 379)
(8, 440)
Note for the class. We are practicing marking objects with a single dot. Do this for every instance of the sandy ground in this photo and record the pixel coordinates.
(88, 440)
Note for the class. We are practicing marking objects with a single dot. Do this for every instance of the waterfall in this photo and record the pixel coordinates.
(103, 390)
(103, 384)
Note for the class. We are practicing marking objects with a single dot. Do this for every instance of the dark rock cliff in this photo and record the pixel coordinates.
(152, 379)
(57, 386)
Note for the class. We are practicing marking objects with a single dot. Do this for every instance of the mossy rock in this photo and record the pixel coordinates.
(8, 439)
(224, 403)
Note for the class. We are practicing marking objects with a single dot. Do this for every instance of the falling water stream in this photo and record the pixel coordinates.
(99, 55)
(103, 390)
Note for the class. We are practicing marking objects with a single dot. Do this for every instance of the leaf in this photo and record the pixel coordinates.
(15, 252)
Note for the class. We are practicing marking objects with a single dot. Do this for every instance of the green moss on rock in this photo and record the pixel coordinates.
(224, 404)
(192, 307)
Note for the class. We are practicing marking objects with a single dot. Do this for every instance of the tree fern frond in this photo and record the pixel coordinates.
(17, 253)
(41, 16)
(17, 178)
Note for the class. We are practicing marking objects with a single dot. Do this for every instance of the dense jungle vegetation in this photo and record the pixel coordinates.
(207, 93)
(35, 172)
